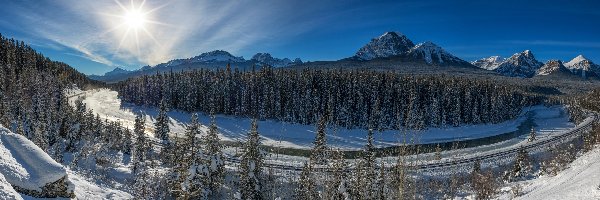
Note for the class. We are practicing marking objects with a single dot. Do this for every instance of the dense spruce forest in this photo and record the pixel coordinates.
(33, 103)
(350, 98)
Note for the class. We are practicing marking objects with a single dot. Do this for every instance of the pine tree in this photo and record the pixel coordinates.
(337, 186)
(161, 131)
(307, 187)
(476, 167)
(190, 144)
(522, 166)
(438, 152)
(251, 166)
(161, 125)
(365, 176)
(532, 135)
(141, 144)
(195, 184)
(214, 156)
(320, 150)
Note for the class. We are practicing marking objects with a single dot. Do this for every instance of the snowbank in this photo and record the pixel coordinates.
(29, 169)
(580, 181)
(86, 189)
(6, 191)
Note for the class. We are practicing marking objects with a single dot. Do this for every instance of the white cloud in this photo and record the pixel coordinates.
(187, 27)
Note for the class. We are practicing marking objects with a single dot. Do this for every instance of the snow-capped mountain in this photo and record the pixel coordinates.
(117, 70)
(267, 59)
(386, 45)
(217, 56)
(432, 54)
(553, 67)
(209, 60)
(396, 46)
(521, 64)
(490, 63)
(583, 67)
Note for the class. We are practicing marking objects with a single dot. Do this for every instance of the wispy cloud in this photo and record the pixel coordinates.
(185, 28)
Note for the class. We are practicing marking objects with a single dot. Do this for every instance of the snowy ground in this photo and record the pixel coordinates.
(24, 164)
(580, 181)
(6, 190)
(105, 102)
(88, 189)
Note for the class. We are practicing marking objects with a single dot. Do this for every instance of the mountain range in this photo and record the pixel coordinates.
(524, 64)
(210, 60)
(390, 51)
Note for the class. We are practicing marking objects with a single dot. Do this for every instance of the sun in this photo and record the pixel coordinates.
(134, 24)
(134, 19)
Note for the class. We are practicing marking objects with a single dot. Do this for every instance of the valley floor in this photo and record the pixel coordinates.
(104, 102)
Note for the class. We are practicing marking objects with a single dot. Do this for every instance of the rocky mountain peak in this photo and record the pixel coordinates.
(386, 45)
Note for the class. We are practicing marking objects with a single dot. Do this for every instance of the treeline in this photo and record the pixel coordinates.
(34, 103)
(32, 99)
(351, 98)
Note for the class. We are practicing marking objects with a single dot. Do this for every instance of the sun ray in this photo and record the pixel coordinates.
(135, 19)
(123, 38)
(137, 41)
(152, 37)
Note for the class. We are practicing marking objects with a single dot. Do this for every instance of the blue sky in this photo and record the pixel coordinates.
(89, 36)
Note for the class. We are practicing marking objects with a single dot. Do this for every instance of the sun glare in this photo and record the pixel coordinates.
(134, 19)
(134, 23)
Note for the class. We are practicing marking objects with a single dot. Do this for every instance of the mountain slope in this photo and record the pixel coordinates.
(267, 59)
(583, 67)
(399, 51)
(521, 64)
(433, 54)
(386, 45)
(554, 68)
(490, 63)
(217, 59)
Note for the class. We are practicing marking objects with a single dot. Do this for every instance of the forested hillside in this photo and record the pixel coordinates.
(349, 98)
(34, 103)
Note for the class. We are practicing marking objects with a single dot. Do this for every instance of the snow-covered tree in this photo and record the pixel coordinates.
(320, 150)
(195, 182)
(522, 166)
(214, 156)
(251, 163)
(161, 126)
(161, 131)
(141, 144)
(365, 175)
(531, 135)
(307, 187)
(337, 186)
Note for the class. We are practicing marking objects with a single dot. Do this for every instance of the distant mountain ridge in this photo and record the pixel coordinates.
(210, 60)
(524, 64)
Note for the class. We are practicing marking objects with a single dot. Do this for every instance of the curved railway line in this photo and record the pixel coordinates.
(551, 140)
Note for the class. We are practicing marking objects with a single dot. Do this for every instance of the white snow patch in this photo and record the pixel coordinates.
(24, 164)
(580, 181)
(6, 190)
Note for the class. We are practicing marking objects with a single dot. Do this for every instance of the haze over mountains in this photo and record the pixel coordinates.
(391, 50)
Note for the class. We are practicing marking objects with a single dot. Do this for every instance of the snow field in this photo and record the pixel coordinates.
(104, 102)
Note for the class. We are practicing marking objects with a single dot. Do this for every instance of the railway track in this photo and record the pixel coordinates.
(581, 128)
